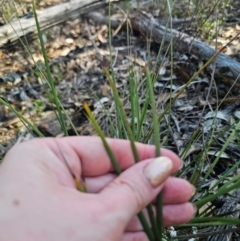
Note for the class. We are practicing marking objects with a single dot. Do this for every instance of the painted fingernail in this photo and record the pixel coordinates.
(158, 170)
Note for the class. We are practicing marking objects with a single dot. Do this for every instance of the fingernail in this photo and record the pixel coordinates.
(195, 210)
(181, 166)
(193, 190)
(158, 170)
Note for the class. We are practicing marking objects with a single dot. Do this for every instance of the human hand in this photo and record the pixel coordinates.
(39, 200)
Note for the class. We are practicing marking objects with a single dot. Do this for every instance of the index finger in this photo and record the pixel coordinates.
(94, 160)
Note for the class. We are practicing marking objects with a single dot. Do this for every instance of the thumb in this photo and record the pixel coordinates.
(136, 187)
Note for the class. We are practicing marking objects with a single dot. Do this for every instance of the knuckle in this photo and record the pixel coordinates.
(135, 190)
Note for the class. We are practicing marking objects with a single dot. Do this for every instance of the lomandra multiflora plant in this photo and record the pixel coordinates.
(135, 130)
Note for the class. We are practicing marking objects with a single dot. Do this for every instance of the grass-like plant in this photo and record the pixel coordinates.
(132, 127)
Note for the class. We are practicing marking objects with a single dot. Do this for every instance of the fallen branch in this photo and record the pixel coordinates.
(47, 18)
(226, 67)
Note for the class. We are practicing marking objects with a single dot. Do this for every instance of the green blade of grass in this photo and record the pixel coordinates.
(149, 134)
(226, 175)
(143, 115)
(159, 221)
(120, 124)
(230, 182)
(117, 168)
(26, 46)
(146, 228)
(220, 192)
(101, 135)
(49, 75)
(132, 101)
(123, 113)
(194, 179)
(213, 223)
(24, 120)
(219, 220)
(226, 144)
(196, 134)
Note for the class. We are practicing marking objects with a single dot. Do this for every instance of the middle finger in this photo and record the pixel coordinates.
(176, 190)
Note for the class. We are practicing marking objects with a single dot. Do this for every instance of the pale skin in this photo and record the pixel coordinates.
(39, 200)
